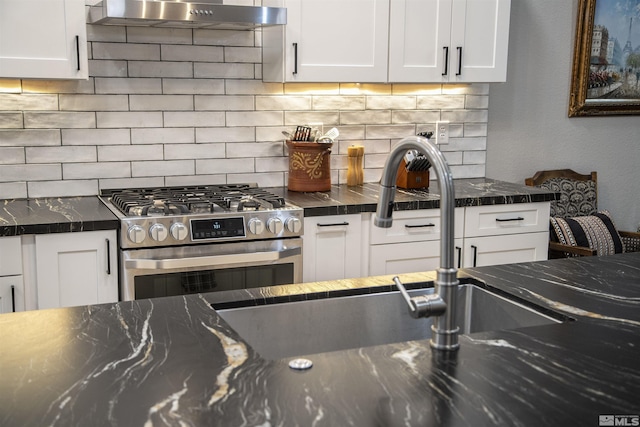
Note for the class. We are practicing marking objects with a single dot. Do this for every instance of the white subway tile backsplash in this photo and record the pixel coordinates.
(66, 188)
(163, 168)
(94, 102)
(128, 85)
(185, 107)
(96, 170)
(161, 102)
(126, 51)
(225, 134)
(224, 102)
(194, 151)
(64, 154)
(160, 69)
(13, 190)
(57, 120)
(254, 118)
(193, 119)
(96, 136)
(129, 119)
(255, 149)
(107, 68)
(117, 153)
(11, 120)
(24, 138)
(192, 86)
(12, 155)
(163, 136)
(159, 35)
(192, 53)
(14, 102)
(223, 71)
(22, 172)
(224, 166)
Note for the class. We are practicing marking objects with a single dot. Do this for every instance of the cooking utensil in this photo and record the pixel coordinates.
(332, 134)
(288, 135)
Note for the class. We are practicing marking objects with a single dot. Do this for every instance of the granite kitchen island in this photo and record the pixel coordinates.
(174, 361)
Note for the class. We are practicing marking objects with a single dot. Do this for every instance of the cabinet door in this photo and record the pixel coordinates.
(419, 33)
(76, 268)
(11, 294)
(43, 39)
(507, 249)
(332, 247)
(479, 40)
(336, 40)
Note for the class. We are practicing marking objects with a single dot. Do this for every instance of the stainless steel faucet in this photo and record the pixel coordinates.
(441, 305)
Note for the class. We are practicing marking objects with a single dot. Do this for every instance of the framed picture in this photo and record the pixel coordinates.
(606, 59)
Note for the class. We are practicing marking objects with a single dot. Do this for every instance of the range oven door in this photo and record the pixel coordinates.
(150, 273)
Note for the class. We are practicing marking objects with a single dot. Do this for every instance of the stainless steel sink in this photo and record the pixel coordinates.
(289, 329)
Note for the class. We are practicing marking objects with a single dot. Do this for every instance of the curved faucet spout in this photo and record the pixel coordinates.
(444, 330)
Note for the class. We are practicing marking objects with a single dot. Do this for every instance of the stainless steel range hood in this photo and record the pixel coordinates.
(182, 14)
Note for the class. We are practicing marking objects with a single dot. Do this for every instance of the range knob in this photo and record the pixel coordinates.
(136, 234)
(158, 232)
(256, 226)
(274, 225)
(293, 224)
(178, 231)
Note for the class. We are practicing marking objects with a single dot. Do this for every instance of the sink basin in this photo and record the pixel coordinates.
(298, 328)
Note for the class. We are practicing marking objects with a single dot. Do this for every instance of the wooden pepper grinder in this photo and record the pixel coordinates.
(355, 174)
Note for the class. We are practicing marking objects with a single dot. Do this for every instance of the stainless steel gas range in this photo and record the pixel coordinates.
(194, 239)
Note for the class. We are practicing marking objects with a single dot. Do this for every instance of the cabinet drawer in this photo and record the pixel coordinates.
(506, 219)
(413, 226)
(10, 256)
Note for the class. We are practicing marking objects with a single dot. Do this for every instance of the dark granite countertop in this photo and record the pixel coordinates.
(363, 198)
(54, 215)
(173, 361)
(65, 214)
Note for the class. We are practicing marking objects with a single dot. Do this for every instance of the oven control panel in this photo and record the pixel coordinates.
(217, 228)
(175, 230)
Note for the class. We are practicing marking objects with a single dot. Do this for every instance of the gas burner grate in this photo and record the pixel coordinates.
(194, 199)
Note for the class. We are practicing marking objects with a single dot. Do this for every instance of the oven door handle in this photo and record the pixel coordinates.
(207, 261)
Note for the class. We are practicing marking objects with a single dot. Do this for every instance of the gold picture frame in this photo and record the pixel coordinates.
(601, 83)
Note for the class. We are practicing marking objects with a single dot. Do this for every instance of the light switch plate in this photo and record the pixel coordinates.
(442, 132)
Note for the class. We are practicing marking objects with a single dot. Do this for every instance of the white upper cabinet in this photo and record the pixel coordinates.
(449, 41)
(328, 41)
(389, 41)
(43, 39)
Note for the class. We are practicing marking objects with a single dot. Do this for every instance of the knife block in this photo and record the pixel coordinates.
(413, 179)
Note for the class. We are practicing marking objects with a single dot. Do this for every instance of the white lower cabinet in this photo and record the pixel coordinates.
(504, 234)
(412, 243)
(11, 280)
(76, 268)
(332, 247)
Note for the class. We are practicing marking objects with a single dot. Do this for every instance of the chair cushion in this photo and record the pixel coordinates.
(593, 231)
(576, 197)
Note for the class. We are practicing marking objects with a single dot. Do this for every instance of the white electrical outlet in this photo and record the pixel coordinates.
(442, 132)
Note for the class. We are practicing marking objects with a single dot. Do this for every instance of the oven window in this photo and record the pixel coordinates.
(170, 284)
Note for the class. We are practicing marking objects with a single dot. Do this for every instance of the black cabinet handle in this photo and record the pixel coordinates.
(13, 298)
(108, 256)
(459, 250)
(459, 48)
(334, 224)
(519, 218)
(295, 58)
(419, 225)
(78, 51)
(446, 60)
(475, 255)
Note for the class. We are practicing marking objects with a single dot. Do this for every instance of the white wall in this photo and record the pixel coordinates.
(529, 129)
